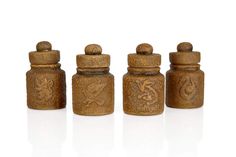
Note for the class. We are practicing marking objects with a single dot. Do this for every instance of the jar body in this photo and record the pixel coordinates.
(93, 94)
(143, 94)
(46, 88)
(184, 88)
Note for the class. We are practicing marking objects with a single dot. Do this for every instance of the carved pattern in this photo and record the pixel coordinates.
(43, 88)
(92, 92)
(148, 93)
(187, 88)
(143, 96)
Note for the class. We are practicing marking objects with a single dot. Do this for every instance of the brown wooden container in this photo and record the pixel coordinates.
(46, 87)
(143, 85)
(184, 80)
(93, 85)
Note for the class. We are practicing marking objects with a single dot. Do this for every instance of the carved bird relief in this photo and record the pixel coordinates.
(92, 91)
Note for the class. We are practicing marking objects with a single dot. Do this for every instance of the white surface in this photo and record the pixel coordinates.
(118, 26)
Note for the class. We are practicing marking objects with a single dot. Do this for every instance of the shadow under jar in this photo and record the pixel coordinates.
(143, 85)
(184, 80)
(93, 85)
(46, 86)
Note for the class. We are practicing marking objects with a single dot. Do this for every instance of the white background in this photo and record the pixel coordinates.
(118, 26)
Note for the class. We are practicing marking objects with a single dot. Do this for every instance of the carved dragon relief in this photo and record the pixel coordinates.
(143, 95)
(148, 93)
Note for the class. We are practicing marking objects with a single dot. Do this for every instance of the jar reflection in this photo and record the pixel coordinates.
(46, 132)
(143, 136)
(184, 129)
(93, 136)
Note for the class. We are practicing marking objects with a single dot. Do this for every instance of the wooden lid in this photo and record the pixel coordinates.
(93, 58)
(44, 54)
(185, 54)
(144, 57)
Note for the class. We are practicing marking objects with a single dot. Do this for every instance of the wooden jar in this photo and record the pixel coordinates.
(184, 80)
(143, 85)
(46, 86)
(93, 85)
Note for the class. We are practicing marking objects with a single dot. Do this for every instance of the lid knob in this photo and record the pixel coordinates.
(43, 46)
(93, 49)
(144, 49)
(185, 47)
